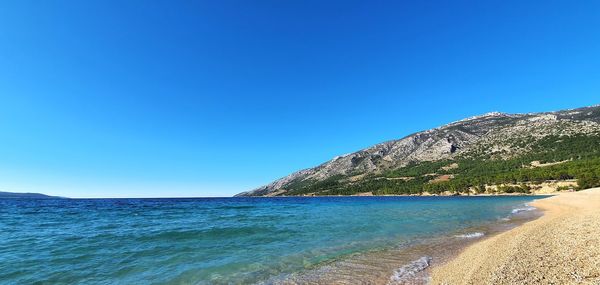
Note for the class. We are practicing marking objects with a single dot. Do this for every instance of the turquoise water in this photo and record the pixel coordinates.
(218, 240)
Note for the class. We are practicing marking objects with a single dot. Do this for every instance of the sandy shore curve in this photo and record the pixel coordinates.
(561, 247)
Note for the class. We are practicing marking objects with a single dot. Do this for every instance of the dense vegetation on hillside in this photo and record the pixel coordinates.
(577, 157)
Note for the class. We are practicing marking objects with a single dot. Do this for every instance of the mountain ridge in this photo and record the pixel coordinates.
(489, 135)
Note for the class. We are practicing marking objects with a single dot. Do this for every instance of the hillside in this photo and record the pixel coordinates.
(491, 153)
(14, 195)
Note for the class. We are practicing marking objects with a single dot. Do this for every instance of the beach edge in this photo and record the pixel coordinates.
(551, 249)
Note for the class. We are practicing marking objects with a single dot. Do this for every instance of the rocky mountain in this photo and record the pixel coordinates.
(491, 136)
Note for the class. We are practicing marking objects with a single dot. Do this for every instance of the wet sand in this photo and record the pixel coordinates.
(561, 247)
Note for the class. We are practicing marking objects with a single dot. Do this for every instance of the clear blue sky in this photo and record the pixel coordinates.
(210, 98)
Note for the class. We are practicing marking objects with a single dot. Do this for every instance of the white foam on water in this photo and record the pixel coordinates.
(470, 235)
(523, 209)
(410, 270)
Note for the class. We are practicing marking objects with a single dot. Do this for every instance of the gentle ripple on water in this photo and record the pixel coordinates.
(227, 240)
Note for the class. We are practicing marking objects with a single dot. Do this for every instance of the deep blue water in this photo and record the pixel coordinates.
(217, 240)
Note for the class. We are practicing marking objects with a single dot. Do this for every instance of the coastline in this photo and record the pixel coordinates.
(408, 263)
(552, 193)
(558, 248)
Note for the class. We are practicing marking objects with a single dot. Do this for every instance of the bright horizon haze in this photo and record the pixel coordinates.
(212, 98)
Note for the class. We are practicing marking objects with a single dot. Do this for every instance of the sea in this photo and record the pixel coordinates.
(286, 240)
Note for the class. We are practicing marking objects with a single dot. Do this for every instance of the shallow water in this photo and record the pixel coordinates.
(233, 240)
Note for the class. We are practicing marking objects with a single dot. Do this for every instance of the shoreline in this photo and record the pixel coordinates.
(418, 195)
(560, 247)
(408, 263)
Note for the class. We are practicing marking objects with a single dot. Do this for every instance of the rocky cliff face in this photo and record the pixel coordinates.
(492, 135)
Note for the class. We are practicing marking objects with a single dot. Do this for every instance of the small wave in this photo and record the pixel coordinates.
(523, 209)
(471, 235)
(410, 270)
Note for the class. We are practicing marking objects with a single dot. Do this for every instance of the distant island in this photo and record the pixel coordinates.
(494, 153)
(14, 195)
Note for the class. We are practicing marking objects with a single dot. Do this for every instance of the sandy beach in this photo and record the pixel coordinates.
(561, 247)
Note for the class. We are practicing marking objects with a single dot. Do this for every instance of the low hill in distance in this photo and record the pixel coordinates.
(489, 154)
(14, 195)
